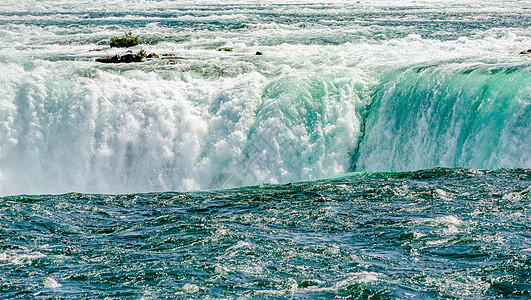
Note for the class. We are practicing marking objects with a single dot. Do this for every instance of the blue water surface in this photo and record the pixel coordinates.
(433, 234)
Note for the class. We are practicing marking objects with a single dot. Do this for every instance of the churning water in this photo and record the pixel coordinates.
(407, 125)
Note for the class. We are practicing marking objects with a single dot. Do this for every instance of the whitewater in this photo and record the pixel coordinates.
(341, 87)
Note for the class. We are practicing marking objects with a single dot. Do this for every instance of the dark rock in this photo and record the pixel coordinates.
(528, 51)
(152, 55)
(259, 53)
(109, 59)
(226, 49)
(127, 58)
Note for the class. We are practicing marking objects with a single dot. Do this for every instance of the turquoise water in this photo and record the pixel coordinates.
(433, 234)
(449, 115)
(377, 149)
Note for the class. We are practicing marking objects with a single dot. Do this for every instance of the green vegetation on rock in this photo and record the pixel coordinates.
(128, 40)
(142, 53)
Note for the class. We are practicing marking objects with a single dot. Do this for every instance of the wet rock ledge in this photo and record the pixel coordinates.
(127, 41)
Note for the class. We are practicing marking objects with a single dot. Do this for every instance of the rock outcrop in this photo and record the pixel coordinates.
(128, 40)
(126, 58)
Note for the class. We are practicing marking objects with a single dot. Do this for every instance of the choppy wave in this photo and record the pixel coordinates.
(431, 234)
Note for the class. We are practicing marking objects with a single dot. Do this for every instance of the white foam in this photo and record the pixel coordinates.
(359, 277)
(51, 283)
(446, 225)
(17, 258)
(189, 288)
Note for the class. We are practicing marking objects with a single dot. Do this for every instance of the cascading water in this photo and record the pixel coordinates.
(103, 131)
(341, 87)
(449, 116)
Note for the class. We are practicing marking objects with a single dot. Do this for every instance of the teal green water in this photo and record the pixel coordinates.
(433, 234)
(450, 114)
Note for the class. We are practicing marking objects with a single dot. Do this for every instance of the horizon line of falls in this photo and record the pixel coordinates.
(91, 130)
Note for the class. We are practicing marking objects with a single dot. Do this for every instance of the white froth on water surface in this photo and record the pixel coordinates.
(51, 283)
